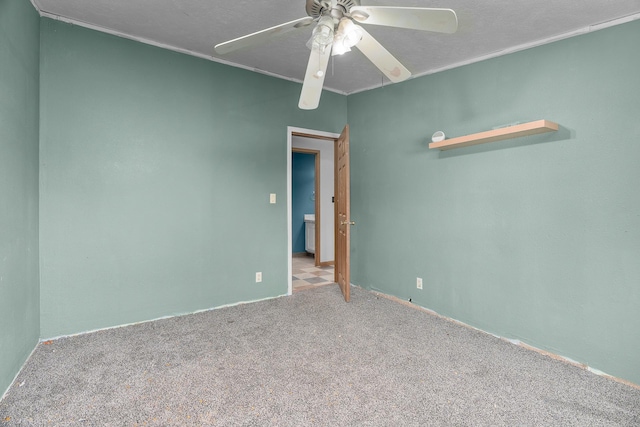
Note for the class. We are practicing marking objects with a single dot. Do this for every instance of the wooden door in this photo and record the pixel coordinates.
(343, 214)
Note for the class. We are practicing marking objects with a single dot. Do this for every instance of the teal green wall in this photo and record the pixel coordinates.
(19, 97)
(535, 239)
(156, 169)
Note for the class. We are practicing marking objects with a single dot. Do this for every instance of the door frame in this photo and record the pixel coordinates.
(316, 201)
(309, 133)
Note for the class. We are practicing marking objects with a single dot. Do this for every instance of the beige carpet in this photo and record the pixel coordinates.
(308, 359)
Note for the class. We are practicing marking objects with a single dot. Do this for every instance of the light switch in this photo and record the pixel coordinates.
(272, 198)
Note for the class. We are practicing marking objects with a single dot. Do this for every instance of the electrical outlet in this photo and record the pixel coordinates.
(258, 277)
(419, 282)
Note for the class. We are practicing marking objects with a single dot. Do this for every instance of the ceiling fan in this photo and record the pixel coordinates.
(336, 32)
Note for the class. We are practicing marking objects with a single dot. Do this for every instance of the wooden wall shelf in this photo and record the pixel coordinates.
(515, 131)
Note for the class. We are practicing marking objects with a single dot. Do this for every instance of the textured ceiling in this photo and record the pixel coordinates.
(486, 28)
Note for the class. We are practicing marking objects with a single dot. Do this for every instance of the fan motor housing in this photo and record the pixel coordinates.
(317, 8)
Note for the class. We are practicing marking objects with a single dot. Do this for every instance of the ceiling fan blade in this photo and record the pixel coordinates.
(417, 18)
(314, 78)
(381, 58)
(262, 36)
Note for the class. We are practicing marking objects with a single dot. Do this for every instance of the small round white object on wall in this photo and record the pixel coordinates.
(438, 136)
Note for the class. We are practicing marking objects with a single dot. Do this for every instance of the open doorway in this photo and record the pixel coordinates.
(324, 144)
(306, 215)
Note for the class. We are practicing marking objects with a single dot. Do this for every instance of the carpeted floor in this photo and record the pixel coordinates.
(308, 359)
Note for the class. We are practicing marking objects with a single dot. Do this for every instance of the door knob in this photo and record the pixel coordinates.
(347, 223)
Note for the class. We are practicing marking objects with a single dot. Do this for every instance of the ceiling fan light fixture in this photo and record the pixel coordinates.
(340, 49)
(322, 35)
(347, 36)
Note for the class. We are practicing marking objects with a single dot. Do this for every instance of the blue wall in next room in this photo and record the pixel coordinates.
(302, 197)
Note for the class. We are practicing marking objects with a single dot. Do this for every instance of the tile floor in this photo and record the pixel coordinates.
(306, 275)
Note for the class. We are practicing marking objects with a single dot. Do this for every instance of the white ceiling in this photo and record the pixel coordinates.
(486, 28)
